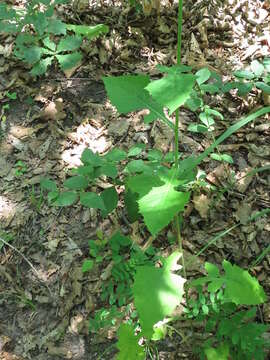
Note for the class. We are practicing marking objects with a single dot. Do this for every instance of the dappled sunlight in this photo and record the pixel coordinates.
(7, 210)
(85, 136)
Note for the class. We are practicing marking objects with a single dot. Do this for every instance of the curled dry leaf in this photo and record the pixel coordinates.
(202, 203)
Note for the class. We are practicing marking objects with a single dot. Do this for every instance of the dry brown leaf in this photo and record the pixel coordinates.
(201, 203)
(54, 110)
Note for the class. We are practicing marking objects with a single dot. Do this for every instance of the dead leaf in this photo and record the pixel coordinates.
(54, 111)
(201, 203)
(243, 213)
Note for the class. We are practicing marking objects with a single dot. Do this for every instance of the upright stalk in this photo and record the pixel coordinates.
(178, 57)
(176, 128)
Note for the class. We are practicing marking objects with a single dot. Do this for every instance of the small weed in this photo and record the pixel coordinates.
(37, 30)
(21, 168)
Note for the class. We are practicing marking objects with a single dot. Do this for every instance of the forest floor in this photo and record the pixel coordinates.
(44, 313)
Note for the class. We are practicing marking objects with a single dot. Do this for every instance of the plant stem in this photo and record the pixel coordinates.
(180, 243)
(178, 55)
(179, 31)
(176, 129)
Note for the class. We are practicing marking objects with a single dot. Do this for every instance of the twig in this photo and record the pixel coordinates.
(28, 262)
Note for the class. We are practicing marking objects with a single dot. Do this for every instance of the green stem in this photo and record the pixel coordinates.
(179, 31)
(176, 129)
(179, 44)
(180, 243)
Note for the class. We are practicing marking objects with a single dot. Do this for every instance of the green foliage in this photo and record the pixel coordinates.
(6, 236)
(157, 292)
(124, 257)
(104, 318)
(157, 187)
(158, 200)
(255, 76)
(240, 286)
(235, 333)
(222, 352)
(41, 38)
(128, 344)
(21, 168)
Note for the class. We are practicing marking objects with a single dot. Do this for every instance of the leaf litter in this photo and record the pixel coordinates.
(50, 124)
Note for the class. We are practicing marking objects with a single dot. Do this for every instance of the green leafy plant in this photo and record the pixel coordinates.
(6, 236)
(21, 168)
(157, 188)
(217, 307)
(255, 76)
(4, 109)
(122, 257)
(41, 37)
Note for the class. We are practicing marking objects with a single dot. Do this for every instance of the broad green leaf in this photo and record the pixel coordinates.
(127, 94)
(76, 183)
(171, 91)
(220, 353)
(230, 85)
(143, 183)
(137, 166)
(198, 128)
(244, 88)
(87, 265)
(48, 184)
(110, 200)
(39, 21)
(158, 204)
(49, 43)
(241, 287)
(202, 75)
(29, 54)
(69, 43)
(210, 88)
(157, 292)
(124, 91)
(131, 204)
(6, 13)
(89, 32)
(244, 74)
(68, 61)
(52, 195)
(8, 28)
(214, 112)
(154, 155)
(264, 87)
(23, 39)
(56, 27)
(194, 102)
(41, 67)
(90, 158)
(65, 198)
(128, 344)
(118, 241)
(107, 169)
(222, 157)
(136, 150)
(257, 68)
(92, 200)
(115, 155)
(206, 119)
(211, 269)
(266, 64)
(160, 332)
